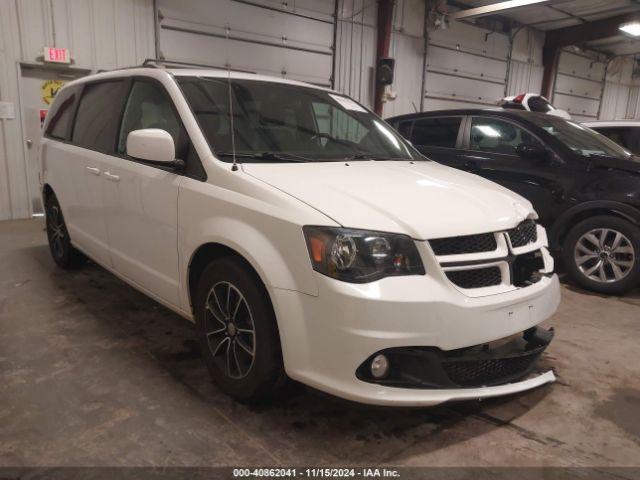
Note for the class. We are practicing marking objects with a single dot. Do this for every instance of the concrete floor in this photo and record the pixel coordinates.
(94, 373)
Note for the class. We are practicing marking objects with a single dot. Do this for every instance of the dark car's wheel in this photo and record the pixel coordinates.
(603, 254)
(63, 253)
(237, 331)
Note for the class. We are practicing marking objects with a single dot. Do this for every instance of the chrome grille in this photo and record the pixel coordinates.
(523, 234)
(475, 278)
(484, 242)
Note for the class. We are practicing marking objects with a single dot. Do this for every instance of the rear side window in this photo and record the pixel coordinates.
(61, 114)
(436, 132)
(98, 116)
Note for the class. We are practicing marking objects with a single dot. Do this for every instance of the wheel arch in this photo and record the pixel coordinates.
(207, 253)
(46, 191)
(585, 210)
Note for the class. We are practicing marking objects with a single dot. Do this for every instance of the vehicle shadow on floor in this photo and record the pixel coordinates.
(299, 420)
(632, 297)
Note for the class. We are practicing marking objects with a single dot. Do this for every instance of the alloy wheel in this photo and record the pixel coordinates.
(604, 255)
(56, 230)
(230, 330)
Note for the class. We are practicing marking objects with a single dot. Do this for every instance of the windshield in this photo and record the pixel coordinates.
(580, 139)
(283, 122)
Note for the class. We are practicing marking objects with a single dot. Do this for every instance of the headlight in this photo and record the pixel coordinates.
(361, 256)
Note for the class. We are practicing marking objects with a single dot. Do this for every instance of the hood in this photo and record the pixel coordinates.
(424, 199)
(631, 164)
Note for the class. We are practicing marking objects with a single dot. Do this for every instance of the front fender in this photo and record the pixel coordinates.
(565, 220)
(277, 251)
(261, 224)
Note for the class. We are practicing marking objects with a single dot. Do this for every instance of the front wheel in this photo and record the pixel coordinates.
(603, 254)
(63, 253)
(237, 331)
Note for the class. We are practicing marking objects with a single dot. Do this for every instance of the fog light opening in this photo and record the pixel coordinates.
(379, 366)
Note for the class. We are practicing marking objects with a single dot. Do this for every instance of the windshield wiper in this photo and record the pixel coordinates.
(267, 156)
(375, 158)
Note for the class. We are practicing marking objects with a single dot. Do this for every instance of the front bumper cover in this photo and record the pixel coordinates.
(495, 363)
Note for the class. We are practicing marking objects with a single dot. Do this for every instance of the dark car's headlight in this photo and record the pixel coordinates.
(361, 256)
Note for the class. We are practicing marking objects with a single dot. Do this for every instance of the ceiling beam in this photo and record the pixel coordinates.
(555, 40)
(494, 8)
(587, 32)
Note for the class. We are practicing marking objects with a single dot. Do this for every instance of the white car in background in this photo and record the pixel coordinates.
(625, 133)
(532, 102)
(301, 234)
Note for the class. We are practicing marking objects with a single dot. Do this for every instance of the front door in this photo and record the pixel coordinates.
(141, 199)
(38, 88)
(492, 153)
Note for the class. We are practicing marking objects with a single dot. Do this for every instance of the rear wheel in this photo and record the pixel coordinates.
(603, 254)
(237, 331)
(63, 253)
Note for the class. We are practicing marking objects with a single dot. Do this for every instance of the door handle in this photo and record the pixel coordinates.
(94, 170)
(112, 177)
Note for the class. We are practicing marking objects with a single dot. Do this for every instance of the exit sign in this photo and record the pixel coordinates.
(56, 55)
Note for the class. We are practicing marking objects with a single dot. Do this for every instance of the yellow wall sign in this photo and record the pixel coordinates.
(49, 90)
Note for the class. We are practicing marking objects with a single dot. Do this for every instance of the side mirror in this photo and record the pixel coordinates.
(532, 151)
(153, 145)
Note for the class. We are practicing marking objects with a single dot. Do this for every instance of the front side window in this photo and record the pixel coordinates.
(436, 132)
(98, 115)
(628, 137)
(580, 139)
(284, 119)
(498, 136)
(148, 107)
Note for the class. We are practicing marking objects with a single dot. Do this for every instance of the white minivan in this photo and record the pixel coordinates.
(302, 235)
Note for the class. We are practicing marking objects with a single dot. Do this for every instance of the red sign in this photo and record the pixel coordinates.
(43, 115)
(56, 55)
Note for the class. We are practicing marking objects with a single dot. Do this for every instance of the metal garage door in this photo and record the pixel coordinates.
(579, 85)
(466, 67)
(272, 37)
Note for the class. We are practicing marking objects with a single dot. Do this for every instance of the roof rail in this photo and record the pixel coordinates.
(163, 63)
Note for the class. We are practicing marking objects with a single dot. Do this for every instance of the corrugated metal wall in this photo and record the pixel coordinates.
(101, 34)
(620, 96)
(525, 70)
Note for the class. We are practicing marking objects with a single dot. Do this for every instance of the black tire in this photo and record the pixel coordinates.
(246, 378)
(63, 253)
(626, 257)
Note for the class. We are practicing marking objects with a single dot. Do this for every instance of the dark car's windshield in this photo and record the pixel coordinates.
(580, 139)
(284, 122)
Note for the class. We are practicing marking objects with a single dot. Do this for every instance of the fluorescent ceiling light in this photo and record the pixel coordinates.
(488, 130)
(494, 8)
(632, 28)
